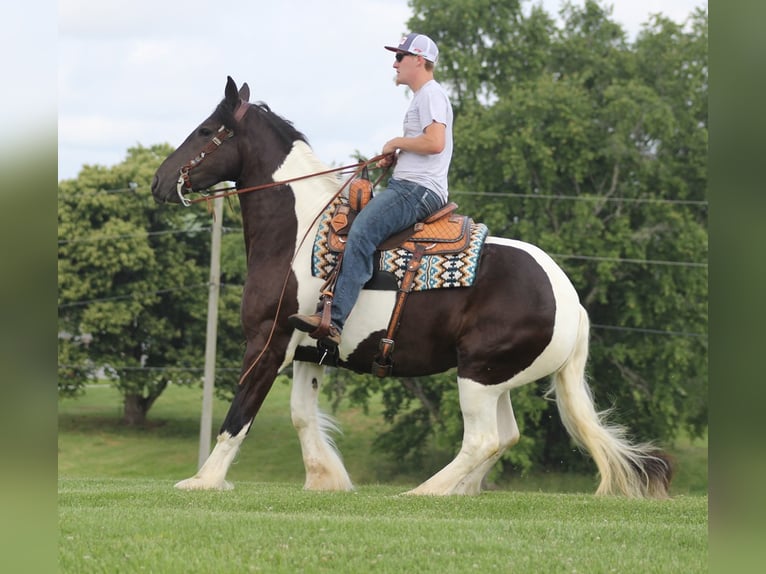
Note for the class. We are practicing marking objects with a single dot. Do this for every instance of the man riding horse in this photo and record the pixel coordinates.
(418, 186)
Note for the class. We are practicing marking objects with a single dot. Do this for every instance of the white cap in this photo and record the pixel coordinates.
(419, 45)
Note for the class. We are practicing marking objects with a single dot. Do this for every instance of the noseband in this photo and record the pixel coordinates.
(184, 181)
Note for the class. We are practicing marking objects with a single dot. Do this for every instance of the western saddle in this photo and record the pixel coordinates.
(443, 232)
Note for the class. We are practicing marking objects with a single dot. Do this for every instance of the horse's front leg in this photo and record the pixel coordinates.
(246, 403)
(324, 467)
(212, 474)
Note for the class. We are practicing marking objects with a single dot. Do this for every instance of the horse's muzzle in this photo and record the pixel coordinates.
(160, 194)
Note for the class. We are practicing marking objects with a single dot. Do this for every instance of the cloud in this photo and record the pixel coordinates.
(149, 72)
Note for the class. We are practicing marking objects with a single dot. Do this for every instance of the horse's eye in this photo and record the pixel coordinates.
(205, 132)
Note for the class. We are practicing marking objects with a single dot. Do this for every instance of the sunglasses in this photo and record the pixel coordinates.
(400, 56)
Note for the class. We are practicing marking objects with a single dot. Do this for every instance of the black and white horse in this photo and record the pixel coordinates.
(520, 321)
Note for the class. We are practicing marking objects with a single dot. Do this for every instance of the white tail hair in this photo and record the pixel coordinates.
(634, 470)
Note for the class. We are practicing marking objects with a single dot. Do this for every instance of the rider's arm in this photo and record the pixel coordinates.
(431, 141)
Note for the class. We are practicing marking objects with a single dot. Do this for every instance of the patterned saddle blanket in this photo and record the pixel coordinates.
(452, 243)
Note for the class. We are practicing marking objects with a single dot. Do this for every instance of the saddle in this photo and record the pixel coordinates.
(443, 232)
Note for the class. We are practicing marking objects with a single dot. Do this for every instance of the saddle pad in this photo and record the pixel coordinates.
(436, 271)
(439, 271)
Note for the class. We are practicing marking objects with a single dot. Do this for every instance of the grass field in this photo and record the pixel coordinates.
(139, 525)
(118, 511)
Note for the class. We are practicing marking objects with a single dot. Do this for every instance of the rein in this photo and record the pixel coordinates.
(357, 167)
(184, 185)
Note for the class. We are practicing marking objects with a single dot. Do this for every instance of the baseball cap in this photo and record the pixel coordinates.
(418, 44)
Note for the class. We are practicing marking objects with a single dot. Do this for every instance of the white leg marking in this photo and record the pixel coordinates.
(212, 475)
(324, 467)
(481, 441)
(508, 435)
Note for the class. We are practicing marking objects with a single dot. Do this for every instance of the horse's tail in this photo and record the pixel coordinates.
(634, 470)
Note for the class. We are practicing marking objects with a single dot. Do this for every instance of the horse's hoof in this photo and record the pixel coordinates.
(415, 492)
(196, 483)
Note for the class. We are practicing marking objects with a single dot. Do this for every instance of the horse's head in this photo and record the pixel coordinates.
(210, 154)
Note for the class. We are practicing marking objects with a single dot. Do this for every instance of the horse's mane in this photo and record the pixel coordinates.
(283, 128)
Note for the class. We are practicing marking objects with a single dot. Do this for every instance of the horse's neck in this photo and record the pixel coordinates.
(312, 195)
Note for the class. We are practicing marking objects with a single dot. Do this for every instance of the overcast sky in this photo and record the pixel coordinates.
(141, 72)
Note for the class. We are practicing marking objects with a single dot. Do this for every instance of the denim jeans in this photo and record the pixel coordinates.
(401, 205)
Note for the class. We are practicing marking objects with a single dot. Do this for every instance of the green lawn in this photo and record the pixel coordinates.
(118, 510)
(140, 525)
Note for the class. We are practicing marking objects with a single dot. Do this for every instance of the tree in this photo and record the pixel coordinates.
(133, 280)
(595, 150)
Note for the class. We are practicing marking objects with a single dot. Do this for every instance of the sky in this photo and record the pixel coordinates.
(142, 72)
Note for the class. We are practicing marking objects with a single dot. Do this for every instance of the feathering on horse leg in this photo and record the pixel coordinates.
(234, 429)
(508, 433)
(321, 459)
(212, 474)
(633, 470)
(481, 442)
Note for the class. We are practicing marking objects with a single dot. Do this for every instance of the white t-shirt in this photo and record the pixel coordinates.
(430, 104)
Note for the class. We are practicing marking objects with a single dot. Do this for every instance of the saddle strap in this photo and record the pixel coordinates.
(382, 363)
(325, 305)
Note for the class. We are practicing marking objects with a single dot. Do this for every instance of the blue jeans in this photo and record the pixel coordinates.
(400, 206)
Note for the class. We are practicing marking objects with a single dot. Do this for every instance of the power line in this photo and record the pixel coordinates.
(132, 188)
(143, 234)
(628, 260)
(592, 198)
(129, 368)
(700, 203)
(649, 331)
(129, 236)
(132, 295)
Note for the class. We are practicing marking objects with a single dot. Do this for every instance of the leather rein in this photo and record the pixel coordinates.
(184, 186)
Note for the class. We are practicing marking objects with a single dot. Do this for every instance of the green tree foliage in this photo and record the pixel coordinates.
(595, 149)
(133, 285)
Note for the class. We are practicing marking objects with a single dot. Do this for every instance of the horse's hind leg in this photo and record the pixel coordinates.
(508, 434)
(324, 467)
(484, 409)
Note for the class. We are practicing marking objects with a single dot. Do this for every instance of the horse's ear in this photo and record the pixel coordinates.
(244, 92)
(231, 91)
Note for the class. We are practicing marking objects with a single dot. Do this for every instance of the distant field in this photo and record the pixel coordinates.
(92, 444)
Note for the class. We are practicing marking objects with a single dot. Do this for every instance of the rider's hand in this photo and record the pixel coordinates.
(387, 161)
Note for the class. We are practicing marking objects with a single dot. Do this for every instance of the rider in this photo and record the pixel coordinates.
(417, 188)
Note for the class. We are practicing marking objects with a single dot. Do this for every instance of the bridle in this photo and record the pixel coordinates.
(184, 181)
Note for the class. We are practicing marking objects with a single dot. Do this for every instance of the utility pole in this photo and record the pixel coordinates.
(206, 419)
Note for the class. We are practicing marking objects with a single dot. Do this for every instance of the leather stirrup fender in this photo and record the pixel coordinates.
(382, 364)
